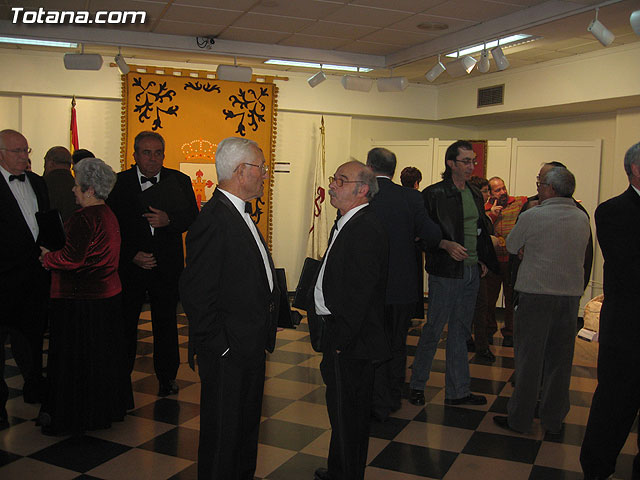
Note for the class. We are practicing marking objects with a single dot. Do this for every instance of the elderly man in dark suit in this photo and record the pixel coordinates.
(402, 212)
(25, 284)
(230, 295)
(616, 400)
(151, 255)
(348, 296)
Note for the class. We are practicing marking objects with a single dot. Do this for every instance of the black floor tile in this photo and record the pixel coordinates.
(303, 374)
(415, 460)
(10, 370)
(144, 348)
(291, 436)
(504, 362)
(144, 334)
(586, 372)
(178, 442)
(184, 331)
(303, 327)
(545, 473)
(451, 416)
(389, 429)
(144, 364)
(80, 454)
(482, 385)
(300, 466)
(280, 342)
(317, 396)
(84, 476)
(272, 405)
(6, 458)
(189, 473)
(13, 392)
(571, 434)
(580, 399)
(503, 447)
(148, 385)
(624, 466)
(438, 365)
(168, 410)
(292, 358)
(499, 405)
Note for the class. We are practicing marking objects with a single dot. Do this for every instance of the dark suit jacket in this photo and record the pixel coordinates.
(59, 184)
(618, 230)
(25, 284)
(224, 287)
(166, 243)
(354, 286)
(401, 211)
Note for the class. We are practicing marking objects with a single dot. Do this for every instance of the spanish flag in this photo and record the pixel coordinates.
(74, 127)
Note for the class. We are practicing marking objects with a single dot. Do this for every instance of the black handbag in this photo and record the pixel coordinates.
(304, 301)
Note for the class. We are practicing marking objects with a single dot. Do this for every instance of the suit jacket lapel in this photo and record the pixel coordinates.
(14, 209)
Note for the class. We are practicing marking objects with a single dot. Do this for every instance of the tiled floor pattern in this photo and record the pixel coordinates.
(159, 439)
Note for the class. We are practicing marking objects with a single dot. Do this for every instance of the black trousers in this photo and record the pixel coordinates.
(349, 384)
(614, 408)
(27, 352)
(163, 297)
(230, 408)
(389, 376)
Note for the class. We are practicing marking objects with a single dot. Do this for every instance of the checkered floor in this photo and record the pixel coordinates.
(159, 439)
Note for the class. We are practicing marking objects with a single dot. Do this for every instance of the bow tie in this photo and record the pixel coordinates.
(153, 180)
(248, 208)
(20, 177)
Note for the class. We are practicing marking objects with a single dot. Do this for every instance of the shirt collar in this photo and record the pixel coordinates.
(156, 176)
(347, 216)
(637, 191)
(237, 201)
(6, 173)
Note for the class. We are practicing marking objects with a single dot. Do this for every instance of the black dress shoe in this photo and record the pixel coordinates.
(416, 397)
(503, 422)
(470, 399)
(168, 388)
(322, 474)
(507, 341)
(486, 355)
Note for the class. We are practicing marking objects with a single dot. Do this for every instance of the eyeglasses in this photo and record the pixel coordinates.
(540, 183)
(17, 151)
(466, 162)
(263, 168)
(339, 181)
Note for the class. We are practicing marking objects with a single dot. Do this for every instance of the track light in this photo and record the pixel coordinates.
(461, 66)
(483, 63)
(122, 65)
(316, 79)
(435, 71)
(392, 84)
(234, 73)
(634, 19)
(501, 61)
(360, 84)
(602, 33)
(82, 61)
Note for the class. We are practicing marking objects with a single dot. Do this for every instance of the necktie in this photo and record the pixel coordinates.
(20, 177)
(248, 208)
(153, 180)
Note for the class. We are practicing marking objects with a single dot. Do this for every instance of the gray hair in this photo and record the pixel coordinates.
(632, 157)
(94, 173)
(231, 152)
(144, 135)
(561, 180)
(366, 176)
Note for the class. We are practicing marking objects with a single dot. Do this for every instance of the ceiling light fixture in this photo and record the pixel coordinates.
(634, 19)
(432, 26)
(317, 79)
(602, 33)
(234, 73)
(293, 63)
(461, 66)
(435, 71)
(392, 84)
(498, 56)
(483, 63)
(82, 61)
(41, 43)
(120, 62)
(510, 41)
(360, 84)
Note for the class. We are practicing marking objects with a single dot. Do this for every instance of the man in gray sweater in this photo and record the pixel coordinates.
(551, 238)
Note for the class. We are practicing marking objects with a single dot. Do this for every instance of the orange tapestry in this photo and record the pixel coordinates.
(194, 111)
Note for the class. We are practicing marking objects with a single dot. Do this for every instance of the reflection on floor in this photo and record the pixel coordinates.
(159, 439)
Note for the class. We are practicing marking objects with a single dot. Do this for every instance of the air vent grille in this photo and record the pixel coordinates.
(491, 96)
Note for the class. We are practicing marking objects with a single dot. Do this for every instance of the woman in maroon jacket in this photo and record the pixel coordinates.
(87, 384)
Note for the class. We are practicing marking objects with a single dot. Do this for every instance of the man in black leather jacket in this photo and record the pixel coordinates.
(454, 268)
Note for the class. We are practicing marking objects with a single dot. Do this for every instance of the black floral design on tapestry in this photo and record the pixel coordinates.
(199, 86)
(153, 97)
(250, 106)
(256, 211)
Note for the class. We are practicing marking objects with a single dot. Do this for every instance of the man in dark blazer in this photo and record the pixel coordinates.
(348, 296)
(230, 295)
(151, 255)
(25, 284)
(401, 210)
(57, 176)
(617, 397)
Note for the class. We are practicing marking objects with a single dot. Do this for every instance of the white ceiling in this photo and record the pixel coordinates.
(382, 34)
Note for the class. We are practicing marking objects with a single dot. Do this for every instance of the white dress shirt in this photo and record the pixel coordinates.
(318, 294)
(146, 185)
(27, 201)
(239, 204)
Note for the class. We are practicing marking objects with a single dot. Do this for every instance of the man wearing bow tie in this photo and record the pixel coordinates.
(25, 284)
(230, 294)
(151, 255)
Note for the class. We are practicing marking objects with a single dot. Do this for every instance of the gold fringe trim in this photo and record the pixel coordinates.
(123, 123)
(272, 178)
